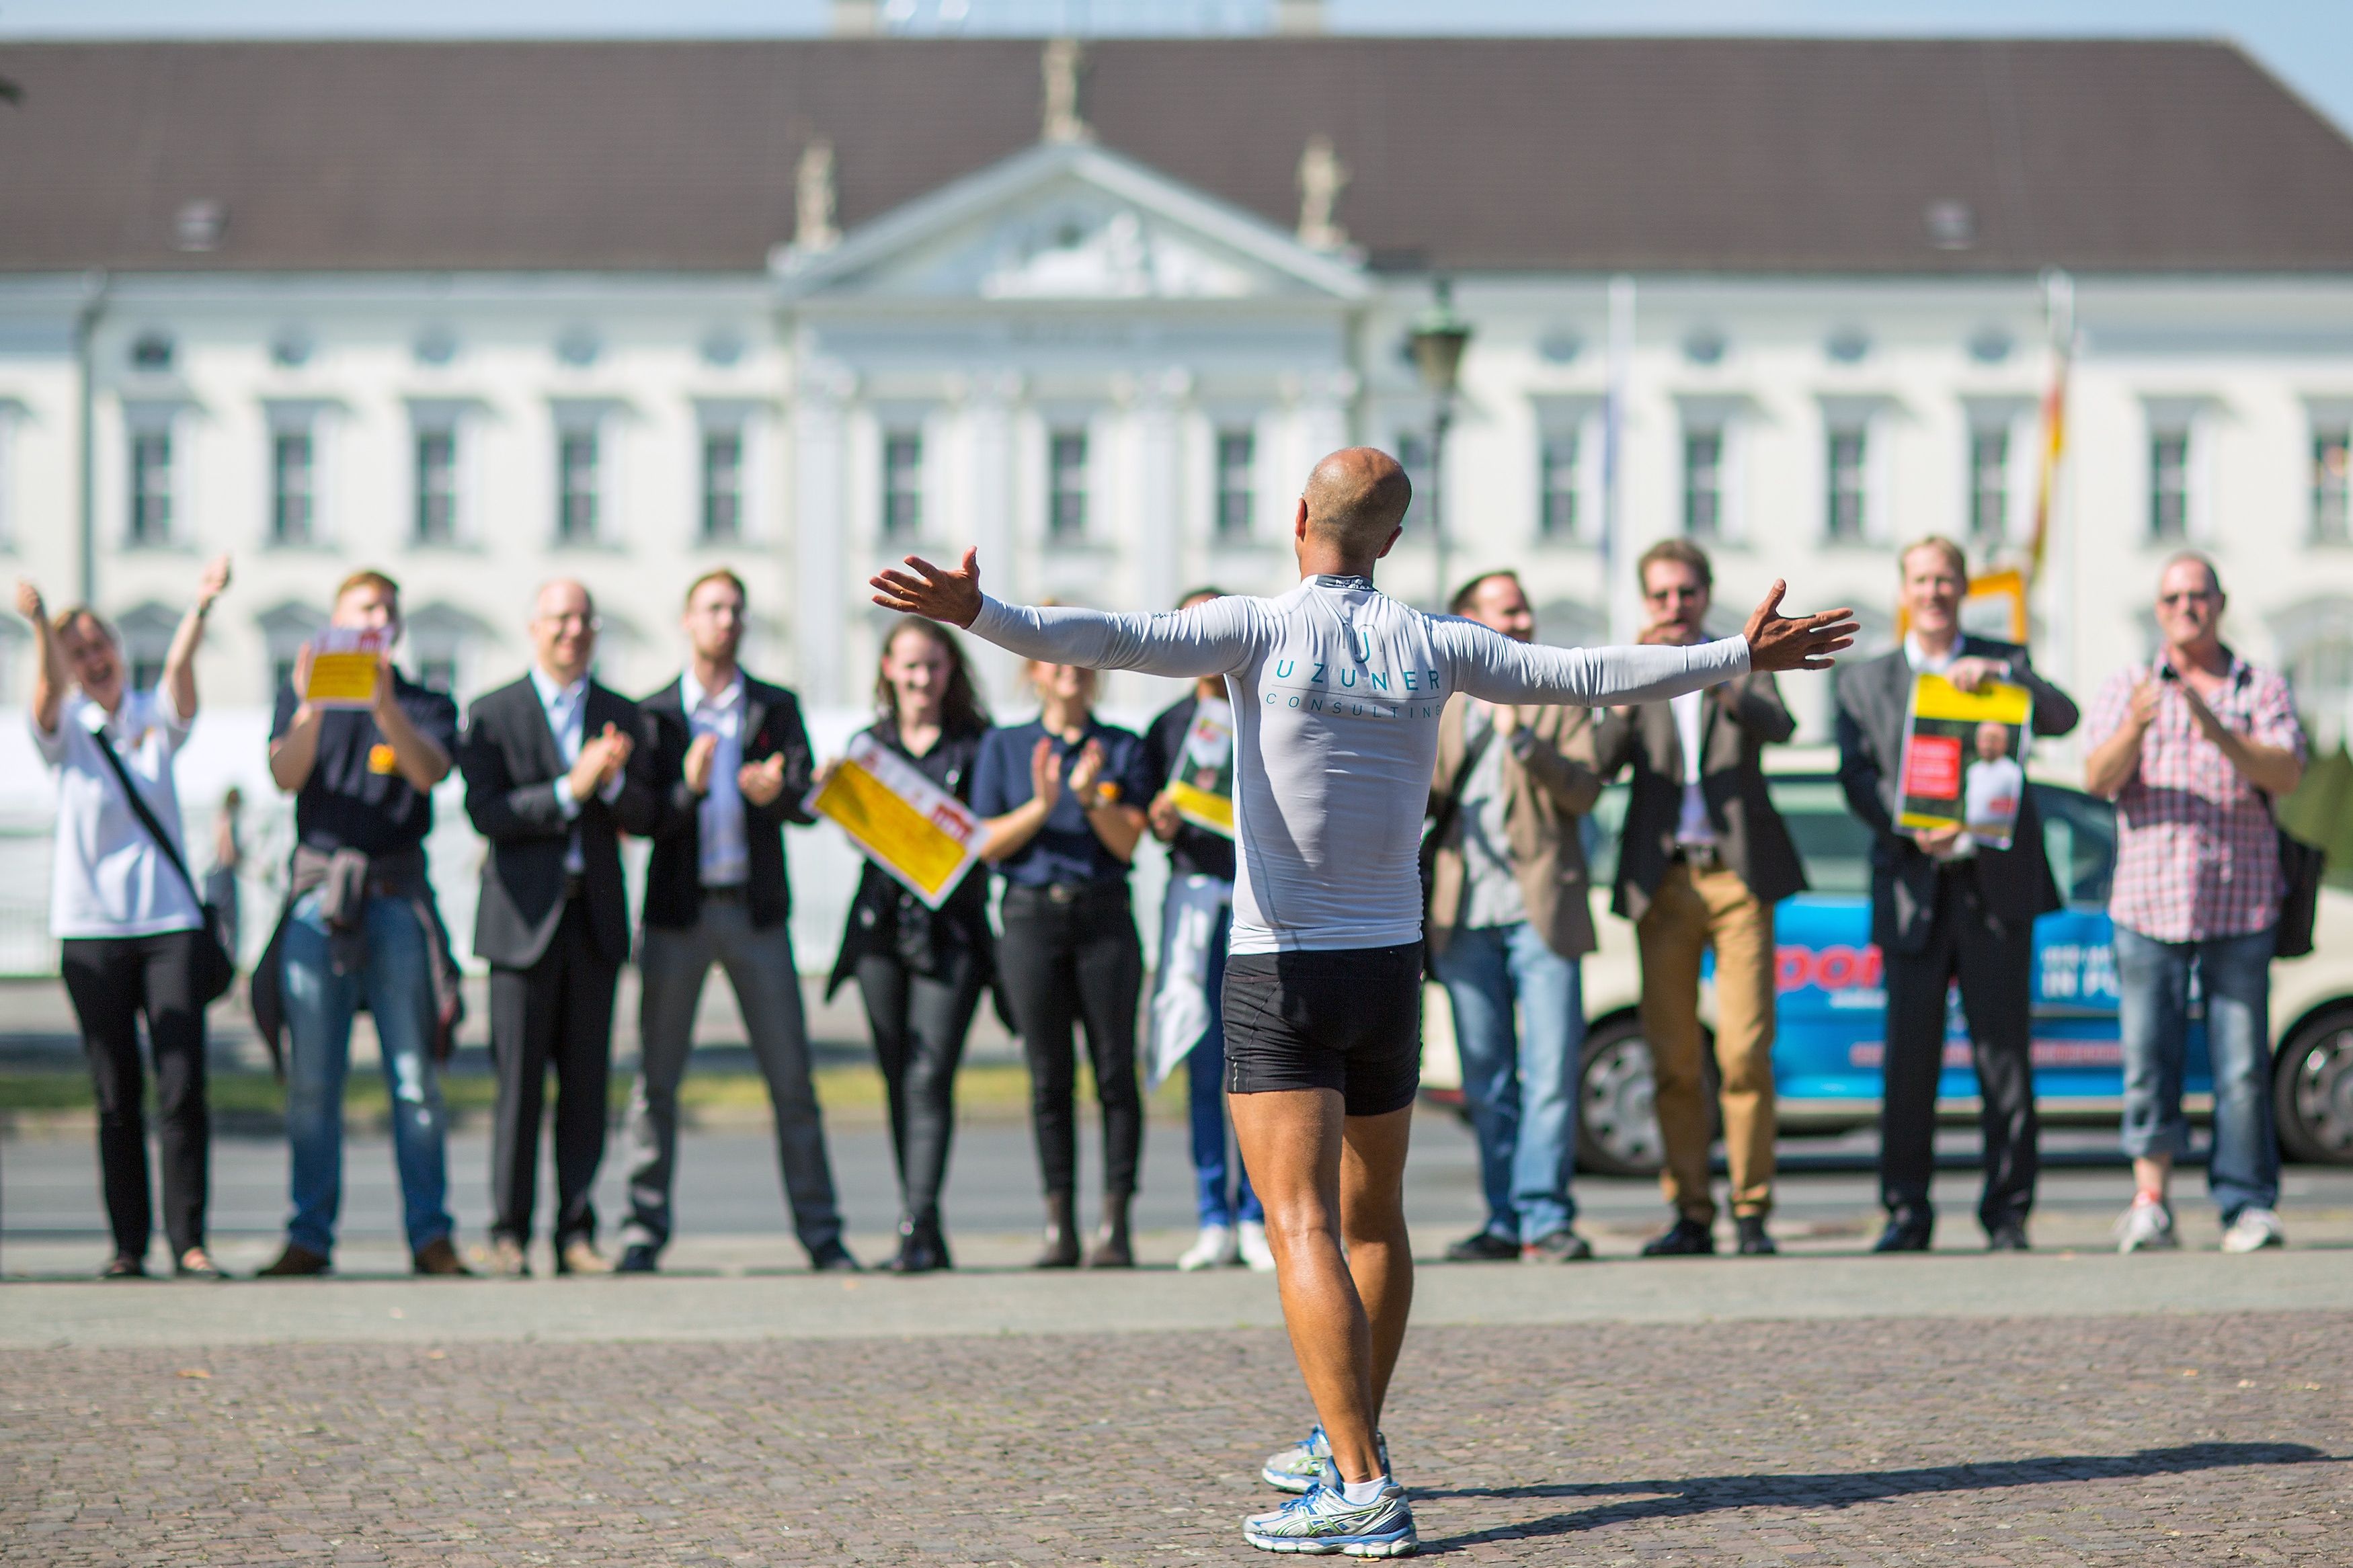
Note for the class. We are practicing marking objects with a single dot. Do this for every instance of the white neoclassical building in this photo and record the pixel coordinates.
(480, 313)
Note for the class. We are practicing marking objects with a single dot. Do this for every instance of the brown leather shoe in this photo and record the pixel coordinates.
(508, 1260)
(438, 1257)
(580, 1257)
(295, 1263)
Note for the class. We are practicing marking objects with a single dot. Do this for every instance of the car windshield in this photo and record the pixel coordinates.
(2079, 834)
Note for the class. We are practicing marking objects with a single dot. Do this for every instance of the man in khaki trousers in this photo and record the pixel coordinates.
(1703, 860)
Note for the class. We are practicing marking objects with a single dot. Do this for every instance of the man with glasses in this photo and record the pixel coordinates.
(1702, 860)
(2193, 749)
(730, 766)
(1946, 909)
(553, 773)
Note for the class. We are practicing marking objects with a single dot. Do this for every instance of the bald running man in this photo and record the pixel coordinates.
(1336, 691)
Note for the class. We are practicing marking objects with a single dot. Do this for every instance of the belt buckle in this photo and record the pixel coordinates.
(1062, 893)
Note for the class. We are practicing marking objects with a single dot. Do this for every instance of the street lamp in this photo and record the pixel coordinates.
(1437, 339)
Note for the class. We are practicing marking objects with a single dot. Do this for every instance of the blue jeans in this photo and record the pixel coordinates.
(1205, 1089)
(396, 983)
(1518, 1077)
(2234, 975)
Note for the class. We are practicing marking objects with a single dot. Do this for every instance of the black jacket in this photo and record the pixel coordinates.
(1749, 831)
(511, 762)
(2014, 883)
(771, 725)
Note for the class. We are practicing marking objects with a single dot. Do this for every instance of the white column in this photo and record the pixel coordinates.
(993, 397)
(1162, 553)
(820, 525)
(1323, 399)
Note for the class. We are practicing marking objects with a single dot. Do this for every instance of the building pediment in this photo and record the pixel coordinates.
(1068, 223)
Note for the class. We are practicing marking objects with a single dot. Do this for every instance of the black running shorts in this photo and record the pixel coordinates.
(1348, 1019)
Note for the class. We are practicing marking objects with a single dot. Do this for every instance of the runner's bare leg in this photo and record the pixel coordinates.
(1322, 1174)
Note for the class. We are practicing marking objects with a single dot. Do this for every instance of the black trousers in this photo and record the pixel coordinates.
(919, 1022)
(1992, 960)
(113, 980)
(1064, 962)
(559, 1014)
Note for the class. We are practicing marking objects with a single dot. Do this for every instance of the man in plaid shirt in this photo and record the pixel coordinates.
(2193, 750)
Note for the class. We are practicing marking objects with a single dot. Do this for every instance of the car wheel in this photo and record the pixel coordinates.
(1617, 1122)
(2312, 1090)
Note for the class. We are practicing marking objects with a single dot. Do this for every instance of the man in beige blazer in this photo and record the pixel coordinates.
(1703, 859)
(1508, 923)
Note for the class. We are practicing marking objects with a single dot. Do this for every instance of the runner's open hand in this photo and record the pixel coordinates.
(1778, 642)
(932, 592)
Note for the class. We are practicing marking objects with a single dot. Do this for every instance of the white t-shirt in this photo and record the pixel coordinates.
(107, 878)
(1694, 825)
(1337, 690)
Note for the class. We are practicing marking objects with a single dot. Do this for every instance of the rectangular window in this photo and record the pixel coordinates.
(150, 487)
(1066, 485)
(292, 508)
(2332, 486)
(147, 672)
(438, 675)
(575, 488)
(1237, 467)
(1846, 512)
(1989, 486)
(1557, 518)
(281, 673)
(722, 486)
(437, 487)
(902, 485)
(1703, 484)
(2168, 486)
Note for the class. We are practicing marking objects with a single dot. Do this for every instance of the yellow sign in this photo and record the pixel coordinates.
(1964, 758)
(1201, 785)
(905, 824)
(343, 666)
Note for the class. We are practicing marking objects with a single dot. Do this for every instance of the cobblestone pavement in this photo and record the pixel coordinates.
(2150, 1440)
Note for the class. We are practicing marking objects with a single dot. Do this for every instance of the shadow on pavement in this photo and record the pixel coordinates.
(1665, 1499)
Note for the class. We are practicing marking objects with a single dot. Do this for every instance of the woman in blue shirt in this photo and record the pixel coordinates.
(1065, 797)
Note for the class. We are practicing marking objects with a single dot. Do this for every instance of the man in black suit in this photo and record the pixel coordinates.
(1943, 906)
(730, 765)
(554, 773)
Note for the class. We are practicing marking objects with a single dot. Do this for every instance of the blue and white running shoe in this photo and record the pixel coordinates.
(1300, 1466)
(1322, 1522)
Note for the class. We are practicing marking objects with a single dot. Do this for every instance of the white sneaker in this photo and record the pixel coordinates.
(2253, 1230)
(1253, 1247)
(1212, 1248)
(2146, 1227)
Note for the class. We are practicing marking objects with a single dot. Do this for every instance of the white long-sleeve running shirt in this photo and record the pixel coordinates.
(1337, 690)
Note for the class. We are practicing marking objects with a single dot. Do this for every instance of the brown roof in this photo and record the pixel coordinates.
(1745, 155)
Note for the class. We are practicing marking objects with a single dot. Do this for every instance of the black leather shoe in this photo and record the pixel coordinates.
(638, 1259)
(1684, 1238)
(1754, 1240)
(1905, 1233)
(832, 1258)
(921, 1250)
(122, 1265)
(2009, 1235)
(1486, 1247)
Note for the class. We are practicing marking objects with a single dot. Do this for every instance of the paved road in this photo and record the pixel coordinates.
(2111, 1441)
(731, 1217)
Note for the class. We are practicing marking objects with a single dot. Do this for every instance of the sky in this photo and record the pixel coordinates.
(2308, 42)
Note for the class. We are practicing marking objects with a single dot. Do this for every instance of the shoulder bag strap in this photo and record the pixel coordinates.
(146, 817)
(1451, 806)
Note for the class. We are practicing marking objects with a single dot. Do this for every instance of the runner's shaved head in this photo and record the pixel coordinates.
(1356, 499)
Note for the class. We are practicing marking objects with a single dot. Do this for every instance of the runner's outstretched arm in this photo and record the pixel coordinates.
(1491, 665)
(1211, 638)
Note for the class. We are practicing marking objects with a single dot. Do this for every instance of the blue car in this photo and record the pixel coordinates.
(1831, 1009)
